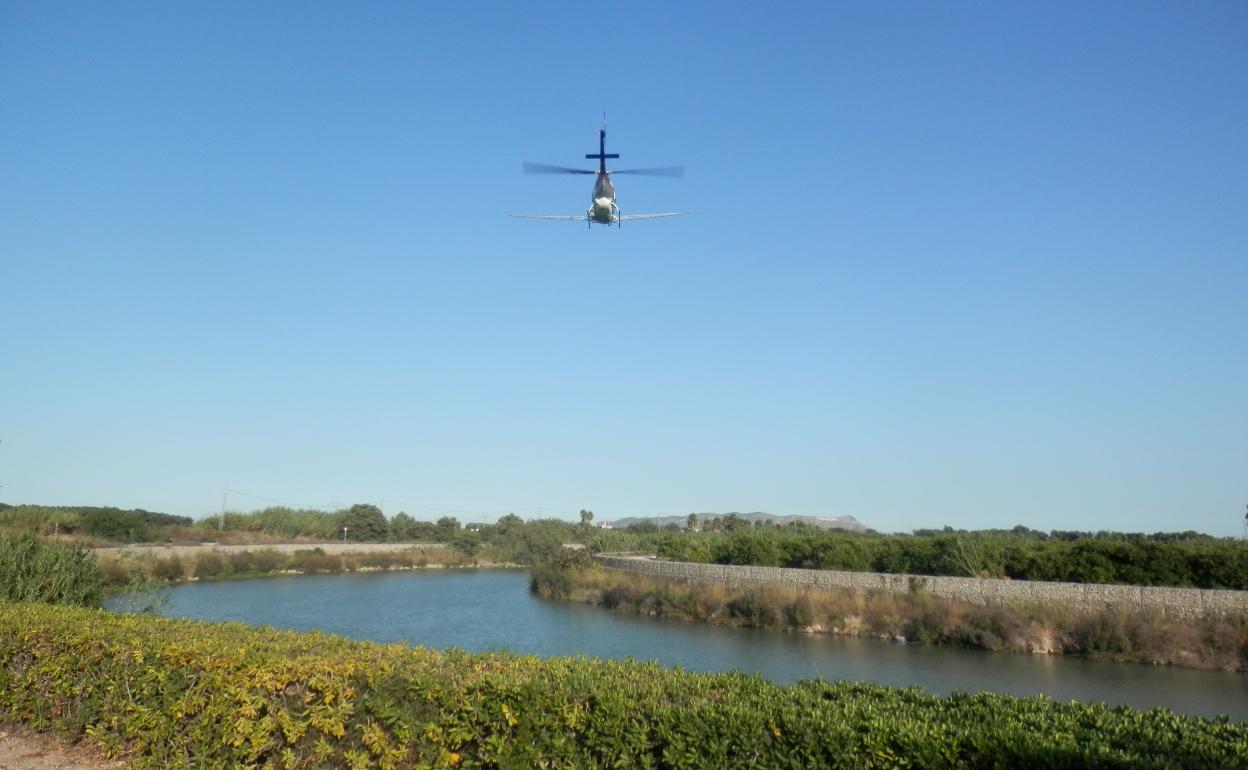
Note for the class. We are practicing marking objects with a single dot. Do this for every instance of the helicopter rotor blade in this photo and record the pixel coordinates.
(675, 172)
(542, 168)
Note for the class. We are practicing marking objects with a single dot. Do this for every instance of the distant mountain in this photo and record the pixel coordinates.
(823, 522)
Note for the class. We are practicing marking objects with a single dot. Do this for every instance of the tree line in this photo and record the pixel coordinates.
(1169, 559)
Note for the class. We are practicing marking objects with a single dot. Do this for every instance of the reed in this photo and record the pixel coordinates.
(1105, 634)
(32, 570)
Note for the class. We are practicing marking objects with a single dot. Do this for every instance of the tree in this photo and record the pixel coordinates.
(364, 522)
(587, 517)
(402, 527)
(509, 525)
(448, 528)
(691, 522)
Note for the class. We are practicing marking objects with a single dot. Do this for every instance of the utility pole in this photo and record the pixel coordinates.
(225, 496)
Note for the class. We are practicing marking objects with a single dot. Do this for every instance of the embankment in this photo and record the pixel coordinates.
(135, 569)
(165, 551)
(1116, 632)
(1176, 602)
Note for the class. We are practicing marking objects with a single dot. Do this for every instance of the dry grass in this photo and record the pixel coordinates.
(117, 571)
(1108, 634)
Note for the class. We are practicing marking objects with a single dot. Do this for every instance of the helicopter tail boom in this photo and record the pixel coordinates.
(602, 155)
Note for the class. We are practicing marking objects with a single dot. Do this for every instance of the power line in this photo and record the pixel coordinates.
(448, 509)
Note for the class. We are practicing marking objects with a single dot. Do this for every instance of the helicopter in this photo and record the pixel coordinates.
(603, 209)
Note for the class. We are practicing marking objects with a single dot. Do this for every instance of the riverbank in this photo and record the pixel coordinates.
(141, 569)
(1098, 633)
(1175, 601)
(164, 551)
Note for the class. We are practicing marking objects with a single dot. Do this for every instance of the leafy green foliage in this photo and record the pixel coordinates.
(180, 694)
(134, 526)
(511, 538)
(365, 523)
(1183, 560)
(288, 523)
(555, 577)
(402, 528)
(36, 571)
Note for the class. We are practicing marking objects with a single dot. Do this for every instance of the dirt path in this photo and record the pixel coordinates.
(21, 749)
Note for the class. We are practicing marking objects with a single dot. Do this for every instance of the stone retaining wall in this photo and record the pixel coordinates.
(1183, 602)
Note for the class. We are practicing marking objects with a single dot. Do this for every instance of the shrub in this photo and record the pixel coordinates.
(1109, 632)
(267, 560)
(209, 565)
(36, 571)
(752, 609)
(550, 581)
(179, 694)
(381, 560)
(113, 573)
(315, 560)
(800, 611)
(616, 596)
(1183, 559)
(169, 569)
(240, 563)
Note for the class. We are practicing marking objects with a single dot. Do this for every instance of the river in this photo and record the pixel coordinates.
(487, 610)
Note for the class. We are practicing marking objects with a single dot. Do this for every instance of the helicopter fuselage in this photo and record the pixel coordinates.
(602, 208)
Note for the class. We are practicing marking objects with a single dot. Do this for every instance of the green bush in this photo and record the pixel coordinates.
(550, 581)
(181, 694)
(240, 563)
(1185, 559)
(36, 571)
(281, 521)
(135, 525)
(315, 560)
(365, 522)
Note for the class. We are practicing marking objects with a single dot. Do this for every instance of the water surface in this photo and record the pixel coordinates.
(487, 610)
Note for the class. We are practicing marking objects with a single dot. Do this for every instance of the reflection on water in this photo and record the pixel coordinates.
(493, 610)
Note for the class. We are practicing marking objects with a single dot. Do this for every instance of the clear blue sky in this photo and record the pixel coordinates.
(974, 264)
